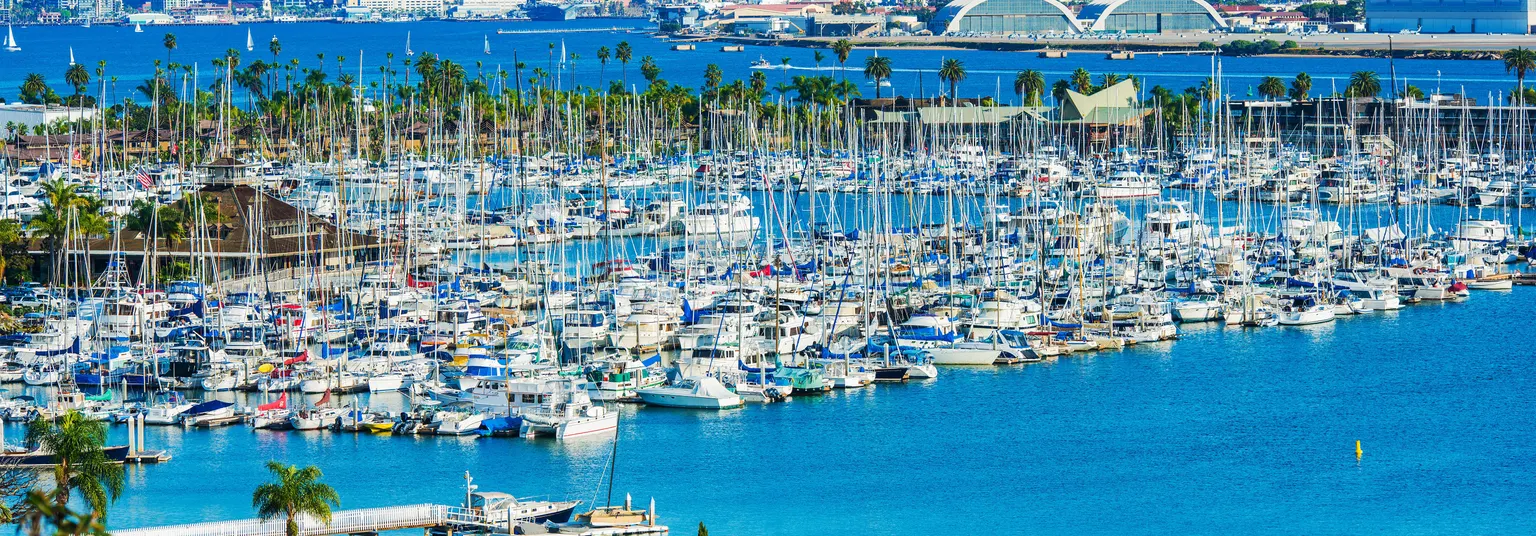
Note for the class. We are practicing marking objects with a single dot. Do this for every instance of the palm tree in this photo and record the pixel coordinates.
(79, 77)
(296, 492)
(59, 221)
(34, 89)
(649, 69)
(76, 443)
(841, 48)
(602, 59)
(1029, 85)
(1059, 90)
(623, 52)
(818, 56)
(1272, 87)
(877, 68)
(1520, 61)
(712, 77)
(1082, 82)
(169, 41)
(759, 82)
(952, 71)
(1301, 86)
(1364, 84)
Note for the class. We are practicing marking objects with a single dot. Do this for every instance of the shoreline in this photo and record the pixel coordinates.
(1332, 46)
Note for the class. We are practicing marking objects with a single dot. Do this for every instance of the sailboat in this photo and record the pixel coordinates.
(10, 40)
(138, 28)
(249, 45)
(408, 50)
(487, 44)
(71, 56)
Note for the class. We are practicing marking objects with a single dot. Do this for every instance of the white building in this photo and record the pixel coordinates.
(31, 115)
(486, 8)
(400, 6)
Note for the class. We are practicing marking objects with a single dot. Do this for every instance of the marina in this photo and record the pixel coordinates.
(927, 302)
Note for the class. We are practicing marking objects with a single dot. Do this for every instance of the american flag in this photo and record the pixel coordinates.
(145, 180)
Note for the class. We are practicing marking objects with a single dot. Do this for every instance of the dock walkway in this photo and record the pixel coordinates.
(360, 521)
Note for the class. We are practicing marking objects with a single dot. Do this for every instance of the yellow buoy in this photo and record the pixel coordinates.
(1358, 452)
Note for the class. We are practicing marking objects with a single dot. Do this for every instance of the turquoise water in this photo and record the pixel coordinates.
(1226, 430)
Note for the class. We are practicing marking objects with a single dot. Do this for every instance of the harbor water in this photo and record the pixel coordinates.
(1226, 431)
(130, 57)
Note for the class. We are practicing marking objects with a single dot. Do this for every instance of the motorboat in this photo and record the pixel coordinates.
(568, 413)
(699, 392)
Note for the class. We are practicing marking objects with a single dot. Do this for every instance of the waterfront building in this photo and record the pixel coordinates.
(469, 9)
(29, 116)
(1005, 17)
(1450, 16)
(1151, 16)
(148, 19)
(400, 6)
(832, 25)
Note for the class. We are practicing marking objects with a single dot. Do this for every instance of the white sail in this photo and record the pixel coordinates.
(10, 40)
(71, 56)
(138, 29)
(249, 45)
(487, 44)
(408, 51)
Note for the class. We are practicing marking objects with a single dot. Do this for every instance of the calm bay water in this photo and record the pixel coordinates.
(130, 56)
(1226, 430)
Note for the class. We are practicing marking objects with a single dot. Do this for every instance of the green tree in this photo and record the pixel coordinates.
(76, 442)
(603, 54)
(877, 68)
(62, 219)
(15, 262)
(1301, 87)
(1413, 92)
(1272, 87)
(1363, 84)
(712, 78)
(650, 70)
(296, 492)
(952, 71)
(842, 48)
(1059, 90)
(1519, 61)
(35, 90)
(623, 52)
(1030, 85)
(169, 42)
(77, 77)
(1082, 82)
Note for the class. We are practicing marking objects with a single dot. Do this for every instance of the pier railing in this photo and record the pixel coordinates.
(366, 520)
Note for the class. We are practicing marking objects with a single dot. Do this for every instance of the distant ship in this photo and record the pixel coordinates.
(558, 12)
